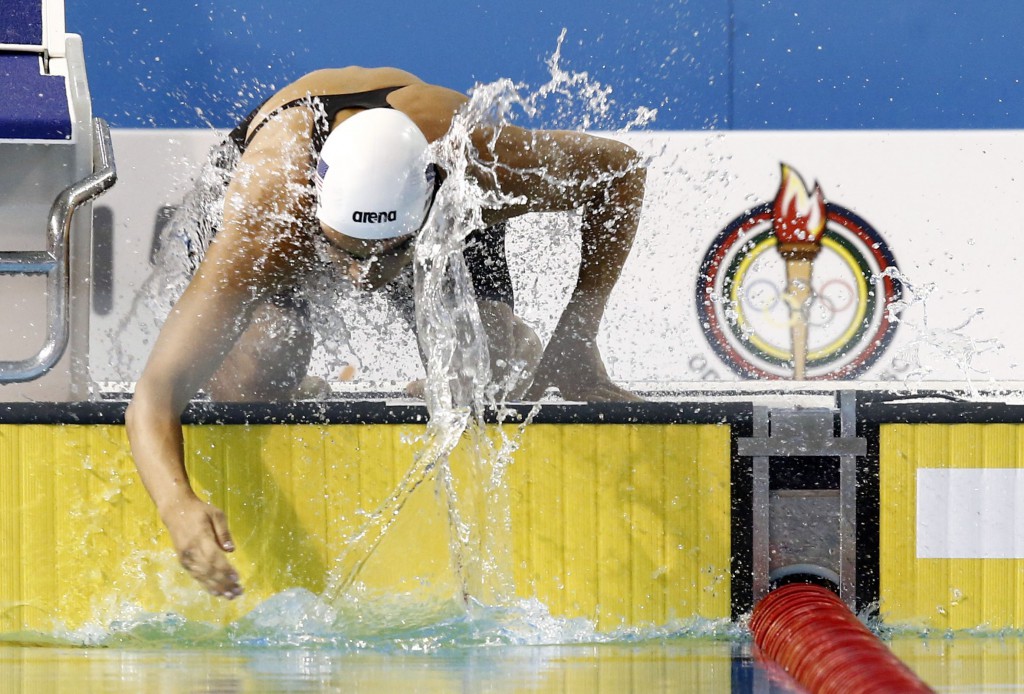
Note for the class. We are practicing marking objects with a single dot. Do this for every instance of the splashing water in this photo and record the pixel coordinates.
(297, 618)
(450, 329)
(933, 345)
(458, 388)
(597, 108)
(441, 437)
(454, 344)
(177, 255)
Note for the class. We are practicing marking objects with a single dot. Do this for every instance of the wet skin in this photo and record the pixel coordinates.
(217, 335)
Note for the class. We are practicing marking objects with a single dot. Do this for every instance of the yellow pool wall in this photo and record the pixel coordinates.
(623, 525)
(984, 594)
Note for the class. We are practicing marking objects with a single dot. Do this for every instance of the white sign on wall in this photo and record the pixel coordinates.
(970, 513)
(905, 245)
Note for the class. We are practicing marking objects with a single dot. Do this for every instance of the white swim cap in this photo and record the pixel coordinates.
(373, 180)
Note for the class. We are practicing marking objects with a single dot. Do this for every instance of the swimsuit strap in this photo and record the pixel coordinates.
(326, 108)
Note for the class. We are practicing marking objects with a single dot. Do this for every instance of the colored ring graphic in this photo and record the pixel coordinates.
(742, 311)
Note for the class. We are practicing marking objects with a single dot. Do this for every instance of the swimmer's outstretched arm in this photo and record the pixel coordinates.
(254, 254)
(559, 171)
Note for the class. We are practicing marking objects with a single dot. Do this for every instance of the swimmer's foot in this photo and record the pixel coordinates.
(416, 389)
(312, 388)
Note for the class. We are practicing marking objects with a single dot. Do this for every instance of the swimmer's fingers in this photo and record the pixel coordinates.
(220, 529)
(212, 571)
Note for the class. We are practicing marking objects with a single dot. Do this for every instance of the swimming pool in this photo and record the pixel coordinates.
(639, 606)
(672, 664)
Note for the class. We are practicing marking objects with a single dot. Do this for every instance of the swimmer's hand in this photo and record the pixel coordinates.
(574, 366)
(200, 535)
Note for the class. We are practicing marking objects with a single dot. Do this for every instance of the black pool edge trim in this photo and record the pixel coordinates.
(869, 521)
(741, 525)
(872, 408)
(380, 412)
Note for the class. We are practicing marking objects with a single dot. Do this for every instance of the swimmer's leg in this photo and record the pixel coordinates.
(270, 359)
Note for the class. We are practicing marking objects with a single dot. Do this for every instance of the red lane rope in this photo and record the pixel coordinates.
(815, 637)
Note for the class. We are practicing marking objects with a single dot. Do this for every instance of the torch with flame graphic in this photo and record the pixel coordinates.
(798, 222)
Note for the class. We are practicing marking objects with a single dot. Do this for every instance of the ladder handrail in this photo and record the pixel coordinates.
(54, 261)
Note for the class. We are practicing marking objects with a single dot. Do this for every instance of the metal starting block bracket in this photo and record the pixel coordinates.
(808, 533)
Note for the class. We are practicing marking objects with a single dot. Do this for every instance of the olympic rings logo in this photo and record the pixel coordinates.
(765, 296)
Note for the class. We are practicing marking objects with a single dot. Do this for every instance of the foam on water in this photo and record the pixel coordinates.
(300, 618)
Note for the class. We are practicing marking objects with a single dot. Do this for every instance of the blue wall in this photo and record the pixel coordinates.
(743, 64)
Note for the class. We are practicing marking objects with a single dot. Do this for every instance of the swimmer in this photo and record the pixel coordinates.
(335, 162)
